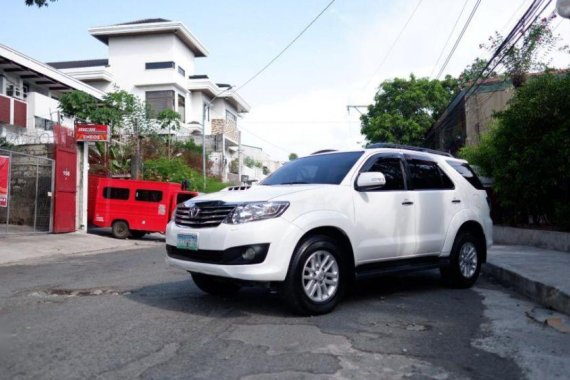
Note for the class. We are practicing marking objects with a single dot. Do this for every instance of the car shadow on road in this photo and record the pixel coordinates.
(183, 296)
(101, 231)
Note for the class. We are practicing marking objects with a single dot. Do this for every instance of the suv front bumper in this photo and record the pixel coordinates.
(220, 249)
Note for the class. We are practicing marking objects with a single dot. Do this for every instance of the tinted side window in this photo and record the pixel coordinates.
(148, 195)
(115, 193)
(467, 173)
(392, 170)
(426, 175)
(446, 182)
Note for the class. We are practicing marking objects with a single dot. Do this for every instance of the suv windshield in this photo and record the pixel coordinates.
(323, 169)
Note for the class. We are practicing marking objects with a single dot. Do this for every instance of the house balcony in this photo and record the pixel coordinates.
(227, 129)
(13, 111)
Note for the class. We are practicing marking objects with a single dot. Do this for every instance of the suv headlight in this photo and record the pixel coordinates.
(250, 212)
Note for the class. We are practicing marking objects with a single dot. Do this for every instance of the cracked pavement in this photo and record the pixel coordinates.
(126, 315)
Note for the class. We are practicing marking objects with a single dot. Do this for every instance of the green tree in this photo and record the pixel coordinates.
(404, 109)
(169, 120)
(530, 53)
(125, 113)
(293, 156)
(472, 71)
(527, 153)
(39, 3)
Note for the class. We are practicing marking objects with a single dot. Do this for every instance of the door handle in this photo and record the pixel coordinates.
(407, 203)
(456, 201)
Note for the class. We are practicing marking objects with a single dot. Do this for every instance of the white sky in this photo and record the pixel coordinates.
(299, 103)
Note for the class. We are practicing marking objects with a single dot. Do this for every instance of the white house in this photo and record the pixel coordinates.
(256, 163)
(29, 90)
(155, 60)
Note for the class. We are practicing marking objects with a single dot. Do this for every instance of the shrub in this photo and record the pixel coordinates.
(175, 170)
(528, 152)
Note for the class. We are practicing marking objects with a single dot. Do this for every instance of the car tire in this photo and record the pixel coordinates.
(137, 234)
(309, 289)
(464, 261)
(120, 229)
(217, 286)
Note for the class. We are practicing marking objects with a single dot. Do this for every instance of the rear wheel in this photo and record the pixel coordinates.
(120, 229)
(465, 261)
(217, 286)
(316, 279)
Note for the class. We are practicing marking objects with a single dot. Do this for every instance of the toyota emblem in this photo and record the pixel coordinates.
(193, 212)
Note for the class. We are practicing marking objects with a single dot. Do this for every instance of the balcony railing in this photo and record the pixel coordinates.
(13, 111)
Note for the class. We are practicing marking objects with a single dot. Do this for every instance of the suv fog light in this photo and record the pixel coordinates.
(249, 254)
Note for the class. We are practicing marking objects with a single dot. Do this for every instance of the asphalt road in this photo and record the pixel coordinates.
(127, 315)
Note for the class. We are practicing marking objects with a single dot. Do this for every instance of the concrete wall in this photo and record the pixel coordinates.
(479, 110)
(559, 241)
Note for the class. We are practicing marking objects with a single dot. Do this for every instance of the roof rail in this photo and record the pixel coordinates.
(323, 151)
(408, 147)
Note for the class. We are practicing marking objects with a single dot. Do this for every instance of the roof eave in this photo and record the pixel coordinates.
(49, 71)
(102, 33)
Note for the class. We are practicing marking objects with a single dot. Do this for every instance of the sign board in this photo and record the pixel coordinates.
(92, 132)
(4, 171)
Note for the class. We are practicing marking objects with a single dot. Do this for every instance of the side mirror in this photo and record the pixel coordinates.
(370, 181)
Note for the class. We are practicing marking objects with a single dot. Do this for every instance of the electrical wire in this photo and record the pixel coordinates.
(265, 140)
(449, 37)
(385, 58)
(285, 48)
(473, 11)
(519, 29)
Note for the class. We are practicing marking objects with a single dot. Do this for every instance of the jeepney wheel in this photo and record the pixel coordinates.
(120, 229)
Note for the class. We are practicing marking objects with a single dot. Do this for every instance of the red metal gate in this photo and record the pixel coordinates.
(64, 210)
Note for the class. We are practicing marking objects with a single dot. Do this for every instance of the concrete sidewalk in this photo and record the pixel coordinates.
(25, 249)
(540, 274)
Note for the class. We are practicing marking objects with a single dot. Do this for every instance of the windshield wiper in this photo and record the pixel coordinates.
(293, 183)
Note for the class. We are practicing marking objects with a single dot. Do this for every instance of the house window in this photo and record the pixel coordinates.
(230, 116)
(159, 101)
(181, 71)
(182, 108)
(45, 124)
(159, 65)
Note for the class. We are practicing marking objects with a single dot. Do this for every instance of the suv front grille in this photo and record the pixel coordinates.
(203, 214)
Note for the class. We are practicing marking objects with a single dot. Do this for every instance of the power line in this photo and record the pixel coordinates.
(285, 48)
(449, 37)
(393, 44)
(459, 38)
(265, 140)
(519, 29)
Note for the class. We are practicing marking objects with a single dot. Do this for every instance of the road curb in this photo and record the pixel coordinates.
(537, 291)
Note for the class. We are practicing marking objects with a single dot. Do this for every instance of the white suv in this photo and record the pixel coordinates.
(321, 221)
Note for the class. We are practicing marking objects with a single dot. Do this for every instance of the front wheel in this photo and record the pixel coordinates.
(217, 286)
(465, 261)
(316, 279)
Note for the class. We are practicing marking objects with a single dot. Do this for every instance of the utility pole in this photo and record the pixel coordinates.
(205, 106)
(357, 108)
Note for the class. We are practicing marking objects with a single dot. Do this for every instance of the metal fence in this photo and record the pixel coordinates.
(27, 200)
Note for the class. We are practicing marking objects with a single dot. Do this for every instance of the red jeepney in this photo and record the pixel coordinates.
(131, 207)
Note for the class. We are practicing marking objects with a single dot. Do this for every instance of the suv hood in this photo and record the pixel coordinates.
(256, 193)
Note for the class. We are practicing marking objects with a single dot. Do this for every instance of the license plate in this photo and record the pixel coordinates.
(187, 241)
